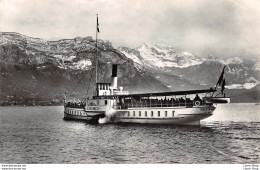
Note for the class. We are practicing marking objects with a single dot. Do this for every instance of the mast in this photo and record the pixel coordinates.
(97, 30)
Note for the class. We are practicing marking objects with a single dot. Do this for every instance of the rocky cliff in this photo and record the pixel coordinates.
(34, 70)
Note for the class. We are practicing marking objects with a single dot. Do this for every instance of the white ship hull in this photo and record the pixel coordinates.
(174, 116)
(81, 114)
(161, 115)
(178, 120)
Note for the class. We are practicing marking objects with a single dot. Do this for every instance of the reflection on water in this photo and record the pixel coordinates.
(40, 135)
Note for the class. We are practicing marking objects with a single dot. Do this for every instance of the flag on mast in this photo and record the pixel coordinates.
(220, 78)
(223, 86)
(97, 24)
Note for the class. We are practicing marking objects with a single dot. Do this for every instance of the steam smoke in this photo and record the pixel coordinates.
(110, 116)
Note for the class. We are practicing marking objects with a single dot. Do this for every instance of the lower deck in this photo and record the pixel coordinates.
(167, 112)
(167, 115)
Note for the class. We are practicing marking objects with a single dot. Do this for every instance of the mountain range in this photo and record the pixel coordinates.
(38, 72)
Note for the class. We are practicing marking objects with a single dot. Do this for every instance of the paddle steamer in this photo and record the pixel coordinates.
(113, 105)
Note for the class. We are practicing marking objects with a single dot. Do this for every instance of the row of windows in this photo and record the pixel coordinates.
(152, 114)
(104, 87)
(72, 112)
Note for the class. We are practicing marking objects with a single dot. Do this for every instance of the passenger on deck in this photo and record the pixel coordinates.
(189, 102)
(182, 100)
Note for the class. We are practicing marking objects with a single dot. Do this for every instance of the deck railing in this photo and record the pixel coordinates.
(75, 105)
(159, 104)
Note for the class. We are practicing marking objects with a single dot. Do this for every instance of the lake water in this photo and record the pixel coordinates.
(40, 135)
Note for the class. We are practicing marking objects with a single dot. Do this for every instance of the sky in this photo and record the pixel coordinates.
(222, 28)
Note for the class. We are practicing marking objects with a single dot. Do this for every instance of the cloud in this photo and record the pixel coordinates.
(223, 28)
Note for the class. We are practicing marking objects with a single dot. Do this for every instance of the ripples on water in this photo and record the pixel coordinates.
(40, 135)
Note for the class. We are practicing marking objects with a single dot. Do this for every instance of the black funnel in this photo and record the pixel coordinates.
(114, 70)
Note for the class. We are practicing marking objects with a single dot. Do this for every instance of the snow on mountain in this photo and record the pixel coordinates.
(234, 60)
(241, 86)
(249, 84)
(137, 62)
(65, 58)
(133, 57)
(186, 59)
(158, 58)
(157, 55)
(81, 65)
(165, 56)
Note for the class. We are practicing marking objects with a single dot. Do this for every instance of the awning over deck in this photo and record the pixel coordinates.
(171, 93)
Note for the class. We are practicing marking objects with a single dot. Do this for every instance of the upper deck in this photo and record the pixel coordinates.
(162, 99)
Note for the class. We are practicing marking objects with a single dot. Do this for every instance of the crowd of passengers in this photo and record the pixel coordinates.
(75, 104)
(147, 102)
(162, 102)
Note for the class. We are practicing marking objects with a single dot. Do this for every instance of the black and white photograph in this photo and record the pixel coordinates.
(131, 82)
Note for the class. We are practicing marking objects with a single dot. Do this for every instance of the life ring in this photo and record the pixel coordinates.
(197, 103)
